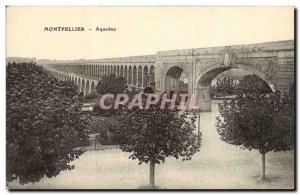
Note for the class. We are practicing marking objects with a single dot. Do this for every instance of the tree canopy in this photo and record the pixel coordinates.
(153, 134)
(256, 122)
(44, 123)
(257, 119)
(252, 84)
(111, 84)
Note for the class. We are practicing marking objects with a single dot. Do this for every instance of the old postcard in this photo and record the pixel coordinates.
(147, 98)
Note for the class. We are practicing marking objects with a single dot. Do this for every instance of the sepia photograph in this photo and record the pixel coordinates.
(150, 98)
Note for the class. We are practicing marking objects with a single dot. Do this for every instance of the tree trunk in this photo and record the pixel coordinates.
(199, 137)
(151, 178)
(263, 171)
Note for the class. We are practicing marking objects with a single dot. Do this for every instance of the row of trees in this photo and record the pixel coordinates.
(45, 124)
(256, 119)
(227, 86)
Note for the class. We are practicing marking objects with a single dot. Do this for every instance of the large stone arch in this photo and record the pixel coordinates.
(204, 79)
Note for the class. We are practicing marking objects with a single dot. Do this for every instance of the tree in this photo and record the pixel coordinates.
(257, 121)
(224, 86)
(44, 123)
(111, 84)
(252, 84)
(153, 134)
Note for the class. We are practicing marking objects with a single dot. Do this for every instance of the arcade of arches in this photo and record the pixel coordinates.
(186, 71)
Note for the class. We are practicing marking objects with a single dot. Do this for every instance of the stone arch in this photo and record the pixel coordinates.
(82, 90)
(101, 71)
(140, 76)
(111, 70)
(130, 75)
(118, 71)
(203, 82)
(134, 75)
(152, 77)
(96, 71)
(173, 84)
(114, 70)
(92, 87)
(125, 73)
(88, 70)
(87, 88)
(93, 70)
(121, 71)
(145, 77)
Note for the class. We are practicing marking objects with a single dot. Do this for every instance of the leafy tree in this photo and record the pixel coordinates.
(153, 134)
(252, 84)
(44, 123)
(111, 84)
(224, 86)
(263, 122)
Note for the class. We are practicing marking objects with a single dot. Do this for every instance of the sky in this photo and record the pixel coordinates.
(140, 30)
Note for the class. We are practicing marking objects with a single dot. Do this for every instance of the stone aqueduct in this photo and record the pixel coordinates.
(188, 71)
